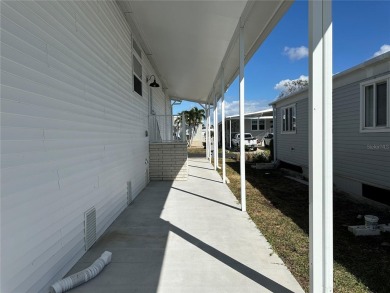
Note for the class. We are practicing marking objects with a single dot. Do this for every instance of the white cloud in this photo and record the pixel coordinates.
(296, 53)
(281, 85)
(385, 48)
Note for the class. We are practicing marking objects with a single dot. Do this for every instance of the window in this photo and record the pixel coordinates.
(261, 125)
(137, 68)
(137, 76)
(375, 105)
(289, 119)
(258, 124)
(254, 124)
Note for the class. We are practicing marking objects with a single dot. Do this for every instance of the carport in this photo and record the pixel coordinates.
(200, 47)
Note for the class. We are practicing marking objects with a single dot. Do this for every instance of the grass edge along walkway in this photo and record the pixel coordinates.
(290, 239)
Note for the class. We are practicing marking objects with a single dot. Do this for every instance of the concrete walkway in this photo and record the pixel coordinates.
(187, 236)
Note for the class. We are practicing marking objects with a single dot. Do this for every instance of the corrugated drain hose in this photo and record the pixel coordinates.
(82, 276)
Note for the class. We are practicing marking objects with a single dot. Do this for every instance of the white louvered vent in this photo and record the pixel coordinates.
(129, 193)
(89, 227)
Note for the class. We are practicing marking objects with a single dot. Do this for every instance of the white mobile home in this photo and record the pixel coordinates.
(361, 128)
(78, 98)
(75, 105)
(257, 123)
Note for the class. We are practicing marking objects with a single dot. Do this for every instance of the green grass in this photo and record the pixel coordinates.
(280, 209)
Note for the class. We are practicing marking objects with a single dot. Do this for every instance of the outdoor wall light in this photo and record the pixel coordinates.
(154, 83)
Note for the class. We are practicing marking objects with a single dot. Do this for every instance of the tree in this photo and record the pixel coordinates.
(193, 118)
(292, 86)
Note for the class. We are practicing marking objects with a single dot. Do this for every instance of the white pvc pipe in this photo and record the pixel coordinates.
(83, 276)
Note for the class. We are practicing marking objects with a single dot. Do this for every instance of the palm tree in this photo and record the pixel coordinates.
(193, 118)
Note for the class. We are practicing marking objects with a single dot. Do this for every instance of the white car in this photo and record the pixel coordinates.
(250, 141)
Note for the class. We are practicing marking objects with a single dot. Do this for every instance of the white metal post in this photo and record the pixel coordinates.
(207, 131)
(274, 130)
(242, 120)
(230, 133)
(183, 126)
(223, 127)
(215, 134)
(216, 131)
(166, 120)
(320, 146)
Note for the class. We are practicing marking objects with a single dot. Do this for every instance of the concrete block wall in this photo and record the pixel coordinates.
(168, 161)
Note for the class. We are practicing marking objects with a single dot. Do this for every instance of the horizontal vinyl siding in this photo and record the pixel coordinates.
(72, 132)
(293, 148)
(352, 158)
(259, 134)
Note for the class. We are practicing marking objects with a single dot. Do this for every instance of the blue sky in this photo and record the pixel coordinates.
(360, 29)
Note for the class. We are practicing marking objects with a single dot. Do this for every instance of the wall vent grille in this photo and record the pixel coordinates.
(89, 228)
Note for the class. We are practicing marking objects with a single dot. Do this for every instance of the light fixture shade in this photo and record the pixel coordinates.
(154, 83)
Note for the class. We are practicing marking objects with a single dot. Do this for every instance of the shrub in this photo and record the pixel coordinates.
(261, 158)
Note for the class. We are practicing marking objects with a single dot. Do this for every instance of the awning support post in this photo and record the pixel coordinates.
(320, 146)
(223, 127)
(207, 130)
(242, 119)
(183, 126)
(209, 133)
(230, 133)
(216, 131)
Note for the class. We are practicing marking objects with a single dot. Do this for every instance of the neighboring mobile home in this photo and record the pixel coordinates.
(361, 129)
(257, 123)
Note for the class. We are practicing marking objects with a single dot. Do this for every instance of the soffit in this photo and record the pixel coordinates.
(188, 42)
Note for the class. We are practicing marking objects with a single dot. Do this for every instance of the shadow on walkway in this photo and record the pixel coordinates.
(173, 240)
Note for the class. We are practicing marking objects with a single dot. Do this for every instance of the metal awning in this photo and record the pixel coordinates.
(188, 42)
(199, 47)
